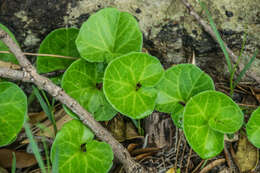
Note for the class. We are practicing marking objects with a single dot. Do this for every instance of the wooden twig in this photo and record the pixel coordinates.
(178, 149)
(43, 54)
(188, 163)
(198, 166)
(208, 29)
(183, 152)
(212, 165)
(228, 157)
(29, 74)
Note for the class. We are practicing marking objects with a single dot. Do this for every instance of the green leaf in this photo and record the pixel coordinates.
(129, 84)
(59, 42)
(7, 57)
(207, 116)
(108, 34)
(179, 84)
(253, 128)
(13, 110)
(82, 81)
(78, 152)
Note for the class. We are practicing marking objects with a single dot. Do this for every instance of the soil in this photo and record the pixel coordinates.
(32, 20)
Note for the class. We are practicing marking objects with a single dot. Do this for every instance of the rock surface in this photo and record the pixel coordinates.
(170, 32)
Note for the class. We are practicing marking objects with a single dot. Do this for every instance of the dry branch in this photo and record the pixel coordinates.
(208, 29)
(29, 74)
(212, 165)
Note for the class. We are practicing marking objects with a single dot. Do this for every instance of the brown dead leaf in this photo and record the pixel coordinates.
(171, 170)
(257, 97)
(122, 130)
(23, 159)
(2, 170)
(35, 118)
(60, 117)
(246, 157)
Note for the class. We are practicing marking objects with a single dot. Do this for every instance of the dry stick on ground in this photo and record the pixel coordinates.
(228, 157)
(29, 74)
(183, 152)
(212, 165)
(198, 166)
(43, 54)
(208, 29)
(188, 163)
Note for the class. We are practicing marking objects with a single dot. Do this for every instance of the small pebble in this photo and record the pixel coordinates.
(138, 10)
(229, 13)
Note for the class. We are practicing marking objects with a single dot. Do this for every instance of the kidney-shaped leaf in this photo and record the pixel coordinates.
(13, 110)
(74, 150)
(207, 116)
(3, 47)
(129, 83)
(179, 84)
(108, 34)
(83, 82)
(253, 128)
(59, 42)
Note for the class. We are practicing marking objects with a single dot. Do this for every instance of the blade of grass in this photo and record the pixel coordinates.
(13, 163)
(34, 147)
(45, 107)
(55, 162)
(46, 154)
(232, 85)
(247, 66)
(220, 41)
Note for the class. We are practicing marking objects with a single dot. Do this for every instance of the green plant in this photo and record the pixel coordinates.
(231, 68)
(114, 76)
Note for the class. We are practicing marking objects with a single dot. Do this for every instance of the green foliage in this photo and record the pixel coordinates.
(113, 75)
(3, 47)
(253, 128)
(46, 108)
(178, 85)
(207, 117)
(129, 84)
(108, 34)
(83, 82)
(78, 152)
(58, 42)
(13, 110)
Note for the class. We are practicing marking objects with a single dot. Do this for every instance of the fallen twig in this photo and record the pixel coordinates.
(198, 166)
(43, 54)
(229, 160)
(208, 29)
(212, 165)
(29, 74)
(188, 162)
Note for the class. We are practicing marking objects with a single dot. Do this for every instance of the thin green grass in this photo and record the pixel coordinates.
(247, 66)
(35, 148)
(232, 69)
(55, 162)
(13, 163)
(220, 41)
(47, 108)
(46, 150)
